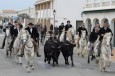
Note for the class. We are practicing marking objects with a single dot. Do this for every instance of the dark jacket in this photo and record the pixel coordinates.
(94, 29)
(11, 29)
(93, 37)
(103, 31)
(67, 27)
(61, 28)
(80, 29)
(56, 30)
(15, 33)
(51, 27)
(34, 34)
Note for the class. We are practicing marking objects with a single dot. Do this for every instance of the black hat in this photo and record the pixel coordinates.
(31, 24)
(15, 22)
(9, 23)
(68, 21)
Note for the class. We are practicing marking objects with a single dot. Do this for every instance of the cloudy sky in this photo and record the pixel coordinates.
(16, 4)
(23, 4)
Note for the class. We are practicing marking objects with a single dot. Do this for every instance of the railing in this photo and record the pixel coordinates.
(100, 5)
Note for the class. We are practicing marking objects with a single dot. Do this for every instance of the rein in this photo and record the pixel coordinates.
(25, 45)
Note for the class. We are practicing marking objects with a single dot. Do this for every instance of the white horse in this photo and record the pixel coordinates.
(82, 48)
(28, 48)
(8, 42)
(105, 56)
(69, 35)
(93, 52)
(17, 49)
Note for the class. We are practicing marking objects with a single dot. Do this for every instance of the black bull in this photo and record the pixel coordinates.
(52, 51)
(67, 50)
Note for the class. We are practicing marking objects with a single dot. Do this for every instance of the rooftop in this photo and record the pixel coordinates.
(9, 11)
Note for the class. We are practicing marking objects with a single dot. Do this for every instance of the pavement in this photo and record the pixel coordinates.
(8, 67)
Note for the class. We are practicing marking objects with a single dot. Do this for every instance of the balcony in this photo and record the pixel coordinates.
(99, 5)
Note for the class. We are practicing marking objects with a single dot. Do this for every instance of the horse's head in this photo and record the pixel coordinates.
(24, 36)
(107, 38)
(7, 32)
(83, 34)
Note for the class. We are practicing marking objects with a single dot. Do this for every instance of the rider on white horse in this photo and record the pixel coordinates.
(93, 37)
(102, 31)
(80, 29)
(4, 29)
(34, 35)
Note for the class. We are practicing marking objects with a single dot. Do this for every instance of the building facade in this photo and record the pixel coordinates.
(29, 11)
(99, 12)
(7, 16)
(65, 10)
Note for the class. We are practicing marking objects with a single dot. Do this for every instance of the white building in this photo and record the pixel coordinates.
(99, 11)
(65, 10)
(29, 11)
(8, 13)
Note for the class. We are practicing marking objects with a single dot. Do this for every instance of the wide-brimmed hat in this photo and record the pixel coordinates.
(68, 21)
(31, 24)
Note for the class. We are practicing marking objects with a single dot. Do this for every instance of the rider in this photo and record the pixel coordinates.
(67, 26)
(34, 35)
(97, 26)
(93, 37)
(9, 26)
(82, 28)
(102, 31)
(16, 30)
(61, 27)
(42, 34)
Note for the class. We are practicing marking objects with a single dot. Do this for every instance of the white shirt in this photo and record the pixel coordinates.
(18, 30)
(31, 30)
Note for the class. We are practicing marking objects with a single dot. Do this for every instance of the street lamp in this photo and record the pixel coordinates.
(54, 13)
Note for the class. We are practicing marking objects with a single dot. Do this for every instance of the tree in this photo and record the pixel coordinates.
(22, 16)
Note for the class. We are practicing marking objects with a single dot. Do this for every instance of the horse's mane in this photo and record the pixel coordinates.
(104, 38)
(22, 32)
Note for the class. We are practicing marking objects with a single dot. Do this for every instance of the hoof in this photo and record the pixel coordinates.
(32, 68)
(20, 63)
(97, 61)
(67, 63)
(82, 56)
(78, 54)
(53, 65)
(72, 65)
(28, 71)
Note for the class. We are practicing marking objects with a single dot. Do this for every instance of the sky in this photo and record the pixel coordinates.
(24, 4)
(16, 4)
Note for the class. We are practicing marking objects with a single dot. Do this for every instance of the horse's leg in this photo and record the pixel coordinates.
(20, 58)
(27, 62)
(109, 60)
(100, 64)
(88, 58)
(32, 60)
(10, 53)
(16, 55)
(103, 62)
(6, 53)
